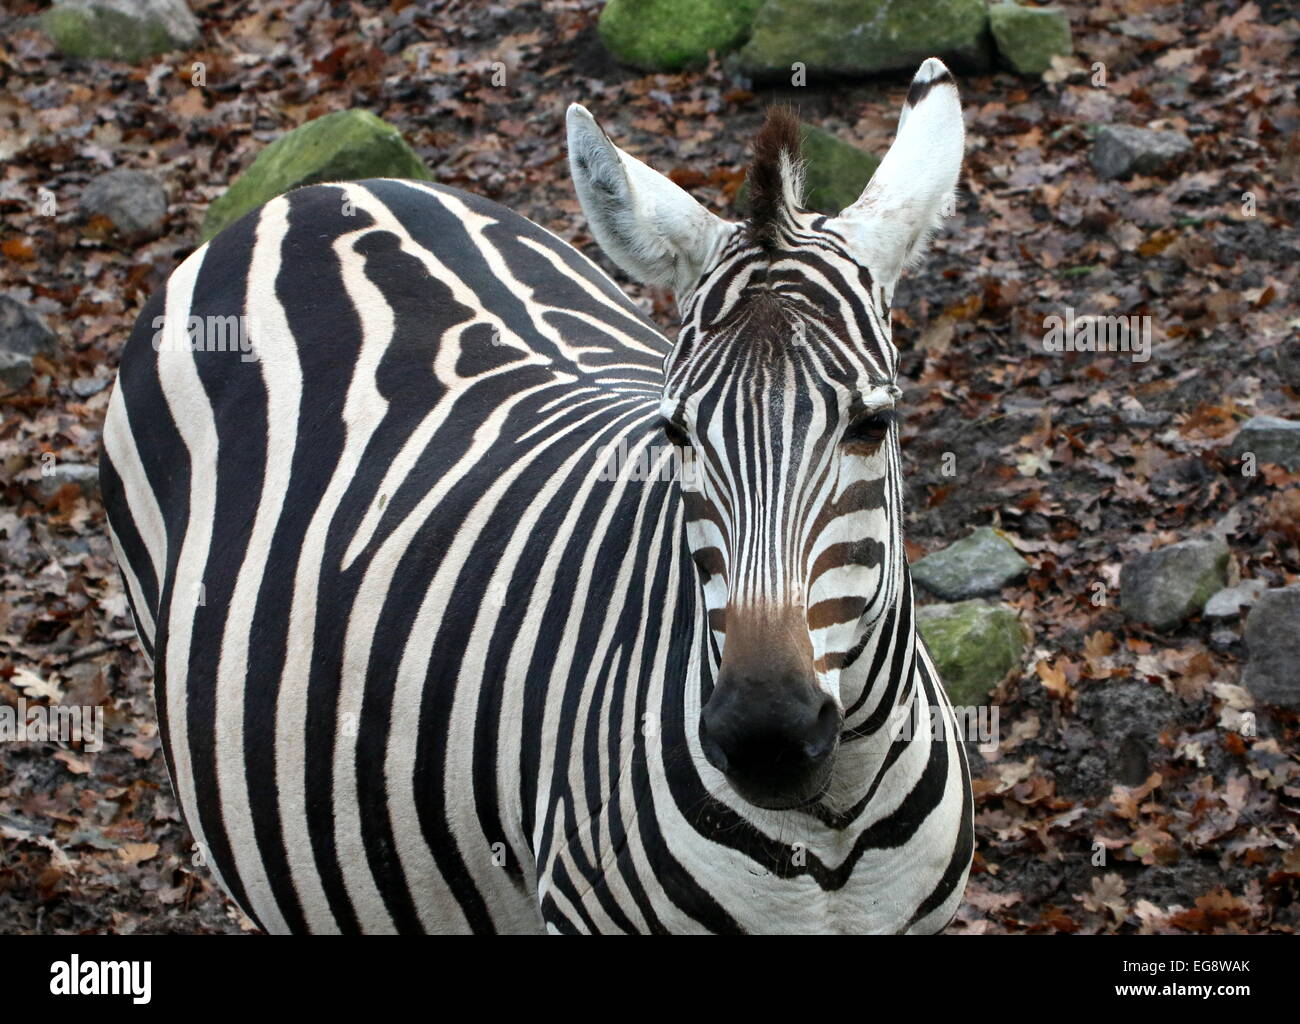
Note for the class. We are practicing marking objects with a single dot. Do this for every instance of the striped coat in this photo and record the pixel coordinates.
(420, 663)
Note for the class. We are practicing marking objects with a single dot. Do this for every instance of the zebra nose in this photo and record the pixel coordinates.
(773, 741)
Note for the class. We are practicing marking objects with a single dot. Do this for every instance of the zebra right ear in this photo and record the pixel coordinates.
(647, 225)
(914, 186)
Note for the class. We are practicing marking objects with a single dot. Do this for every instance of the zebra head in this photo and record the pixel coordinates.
(781, 388)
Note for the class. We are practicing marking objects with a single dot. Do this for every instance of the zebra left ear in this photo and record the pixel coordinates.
(646, 224)
(914, 187)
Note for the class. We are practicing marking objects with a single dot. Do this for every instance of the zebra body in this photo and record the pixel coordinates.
(428, 616)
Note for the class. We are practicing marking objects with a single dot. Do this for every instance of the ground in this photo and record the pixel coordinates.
(1124, 794)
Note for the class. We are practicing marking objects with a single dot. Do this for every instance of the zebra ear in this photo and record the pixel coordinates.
(914, 187)
(647, 225)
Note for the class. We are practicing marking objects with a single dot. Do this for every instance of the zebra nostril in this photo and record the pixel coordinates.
(712, 725)
(824, 733)
(713, 753)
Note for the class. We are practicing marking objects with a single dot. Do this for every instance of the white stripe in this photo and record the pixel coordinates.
(140, 498)
(278, 361)
(192, 414)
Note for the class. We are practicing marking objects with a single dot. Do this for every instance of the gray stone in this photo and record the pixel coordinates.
(1144, 419)
(23, 331)
(980, 564)
(1272, 439)
(1287, 357)
(1228, 603)
(864, 37)
(1223, 639)
(85, 477)
(128, 30)
(1273, 647)
(1122, 149)
(1166, 586)
(1028, 38)
(133, 200)
(974, 646)
(85, 387)
(15, 369)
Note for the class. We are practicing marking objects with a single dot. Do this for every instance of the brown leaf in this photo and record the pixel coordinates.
(135, 854)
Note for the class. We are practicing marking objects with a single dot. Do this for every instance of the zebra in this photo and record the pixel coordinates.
(473, 604)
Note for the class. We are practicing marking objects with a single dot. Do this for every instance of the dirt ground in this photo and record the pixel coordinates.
(1124, 796)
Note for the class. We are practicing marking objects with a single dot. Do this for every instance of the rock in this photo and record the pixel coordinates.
(1273, 647)
(1223, 639)
(1272, 439)
(1122, 149)
(133, 200)
(1124, 720)
(974, 645)
(1144, 419)
(85, 477)
(85, 387)
(1165, 586)
(15, 369)
(835, 172)
(128, 30)
(347, 145)
(1028, 38)
(1287, 357)
(864, 37)
(1228, 603)
(980, 564)
(669, 35)
(23, 331)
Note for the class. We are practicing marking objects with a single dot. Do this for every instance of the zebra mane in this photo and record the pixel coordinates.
(775, 177)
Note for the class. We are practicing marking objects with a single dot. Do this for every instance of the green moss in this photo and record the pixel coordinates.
(974, 645)
(669, 35)
(345, 146)
(100, 32)
(1210, 581)
(856, 37)
(835, 172)
(1028, 37)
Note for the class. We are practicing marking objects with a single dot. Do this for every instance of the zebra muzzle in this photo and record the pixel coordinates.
(773, 738)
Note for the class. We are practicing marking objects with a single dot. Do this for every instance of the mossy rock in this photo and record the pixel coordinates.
(835, 172)
(1028, 38)
(865, 37)
(974, 646)
(344, 146)
(669, 35)
(126, 30)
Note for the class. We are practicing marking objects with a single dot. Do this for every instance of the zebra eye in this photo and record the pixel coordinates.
(870, 430)
(676, 434)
